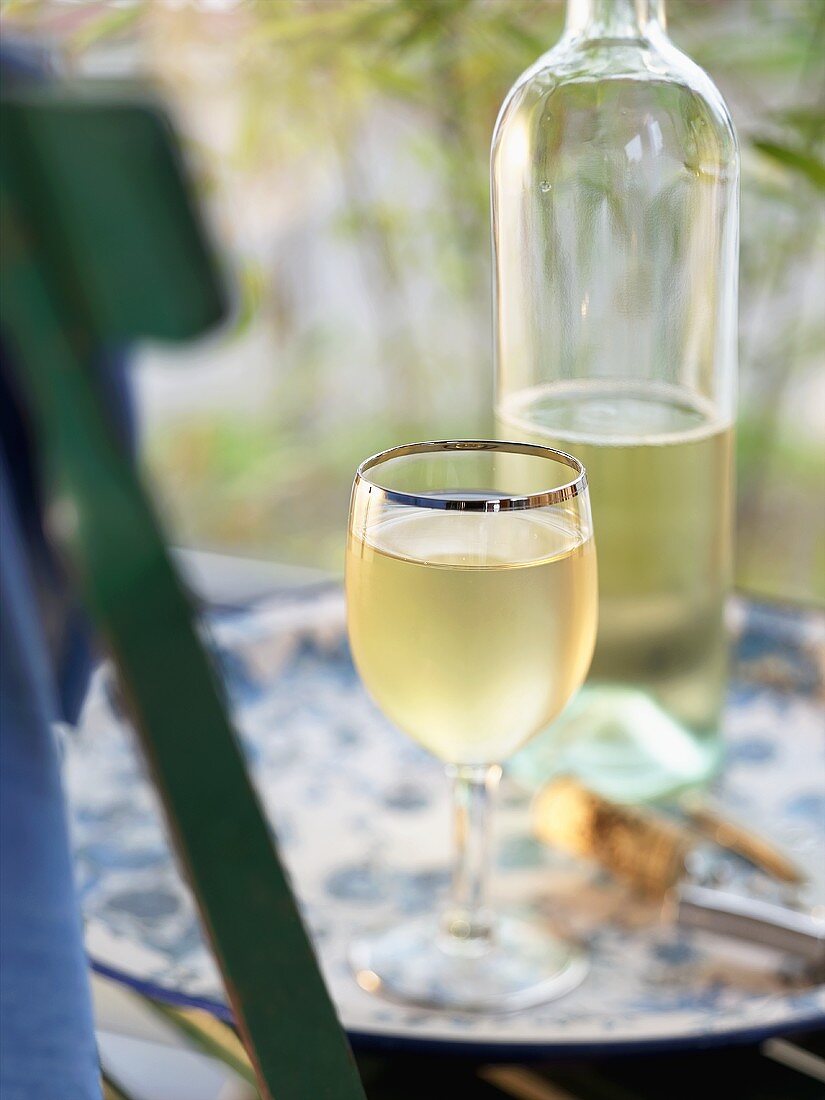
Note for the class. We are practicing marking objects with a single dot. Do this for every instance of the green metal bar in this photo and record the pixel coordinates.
(54, 314)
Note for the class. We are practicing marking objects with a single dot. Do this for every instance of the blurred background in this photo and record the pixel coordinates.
(341, 148)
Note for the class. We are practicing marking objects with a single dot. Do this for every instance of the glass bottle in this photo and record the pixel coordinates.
(615, 236)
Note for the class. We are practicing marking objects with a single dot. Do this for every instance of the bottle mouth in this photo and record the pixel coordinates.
(465, 499)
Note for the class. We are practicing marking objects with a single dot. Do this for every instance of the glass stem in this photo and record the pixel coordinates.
(468, 926)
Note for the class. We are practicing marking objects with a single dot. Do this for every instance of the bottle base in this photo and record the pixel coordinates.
(620, 743)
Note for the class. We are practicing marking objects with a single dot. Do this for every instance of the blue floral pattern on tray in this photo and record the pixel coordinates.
(361, 815)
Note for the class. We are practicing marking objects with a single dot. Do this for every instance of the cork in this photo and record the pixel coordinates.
(639, 847)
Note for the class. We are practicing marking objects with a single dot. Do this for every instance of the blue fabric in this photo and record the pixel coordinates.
(47, 1047)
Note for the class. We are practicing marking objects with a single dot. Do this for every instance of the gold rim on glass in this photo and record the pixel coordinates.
(455, 501)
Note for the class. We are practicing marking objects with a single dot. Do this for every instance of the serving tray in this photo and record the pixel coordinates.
(361, 815)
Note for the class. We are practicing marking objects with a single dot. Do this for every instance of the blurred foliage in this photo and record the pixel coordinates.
(343, 146)
(210, 1036)
(111, 1090)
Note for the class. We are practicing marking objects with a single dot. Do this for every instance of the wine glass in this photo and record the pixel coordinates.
(471, 609)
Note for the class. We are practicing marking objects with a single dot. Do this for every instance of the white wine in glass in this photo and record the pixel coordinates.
(479, 609)
(472, 619)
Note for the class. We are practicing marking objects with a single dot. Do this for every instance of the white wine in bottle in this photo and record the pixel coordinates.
(660, 483)
(615, 231)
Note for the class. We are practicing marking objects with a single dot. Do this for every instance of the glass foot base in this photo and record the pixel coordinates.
(525, 966)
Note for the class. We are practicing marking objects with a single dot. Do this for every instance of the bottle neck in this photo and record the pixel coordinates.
(614, 18)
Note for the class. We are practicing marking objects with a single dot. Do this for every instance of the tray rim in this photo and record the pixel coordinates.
(507, 1051)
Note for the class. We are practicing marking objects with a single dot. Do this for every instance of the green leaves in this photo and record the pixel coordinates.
(198, 1030)
(109, 23)
(210, 1036)
(111, 1090)
(799, 142)
(801, 162)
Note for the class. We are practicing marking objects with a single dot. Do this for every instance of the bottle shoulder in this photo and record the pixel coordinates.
(649, 76)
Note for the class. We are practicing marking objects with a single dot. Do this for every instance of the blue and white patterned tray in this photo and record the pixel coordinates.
(362, 818)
